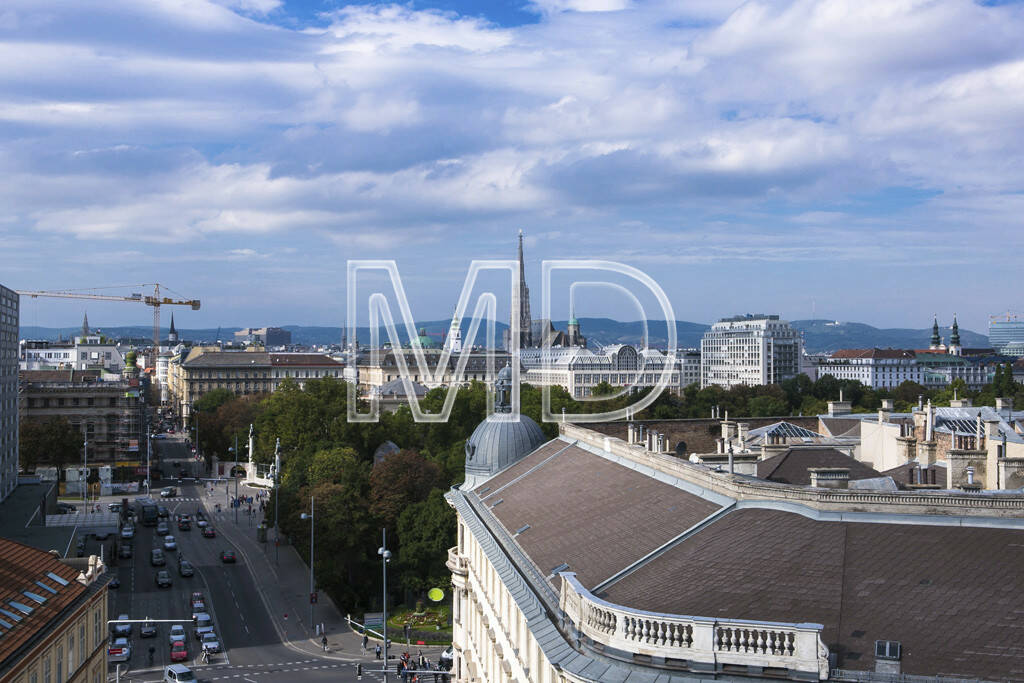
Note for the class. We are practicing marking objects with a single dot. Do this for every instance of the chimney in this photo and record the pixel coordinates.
(829, 477)
(920, 402)
(839, 407)
(970, 476)
(742, 428)
(888, 405)
(960, 403)
(1004, 406)
(929, 423)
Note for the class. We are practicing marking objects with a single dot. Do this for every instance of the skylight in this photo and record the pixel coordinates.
(12, 615)
(34, 596)
(6, 624)
(21, 607)
(45, 587)
(58, 579)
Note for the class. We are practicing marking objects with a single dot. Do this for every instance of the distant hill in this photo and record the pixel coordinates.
(830, 335)
(819, 335)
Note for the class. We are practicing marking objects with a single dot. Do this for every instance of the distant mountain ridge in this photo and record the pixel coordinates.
(819, 335)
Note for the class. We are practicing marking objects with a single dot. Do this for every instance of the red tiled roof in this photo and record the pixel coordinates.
(20, 567)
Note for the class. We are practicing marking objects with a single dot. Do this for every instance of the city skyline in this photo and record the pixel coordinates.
(240, 152)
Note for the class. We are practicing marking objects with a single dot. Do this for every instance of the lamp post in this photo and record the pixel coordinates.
(85, 474)
(277, 496)
(385, 557)
(312, 549)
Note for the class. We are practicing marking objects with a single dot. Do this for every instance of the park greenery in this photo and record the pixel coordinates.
(329, 458)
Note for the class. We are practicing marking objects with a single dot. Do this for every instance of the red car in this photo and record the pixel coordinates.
(184, 525)
(179, 653)
(208, 532)
(227, 556)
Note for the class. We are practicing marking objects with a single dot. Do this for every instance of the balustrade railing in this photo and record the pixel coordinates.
(703, 642)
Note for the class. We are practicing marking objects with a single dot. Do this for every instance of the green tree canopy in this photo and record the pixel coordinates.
(48, 442)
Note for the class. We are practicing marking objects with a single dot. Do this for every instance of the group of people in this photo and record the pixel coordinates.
(415, 670)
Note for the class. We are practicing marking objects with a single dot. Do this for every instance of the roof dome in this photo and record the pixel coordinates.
(499, 442)
(423, 340)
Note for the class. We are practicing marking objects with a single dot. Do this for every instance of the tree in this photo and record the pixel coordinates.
(603, 388)
(402, 479)
(425, 532)
(50, 441)
(766, 406)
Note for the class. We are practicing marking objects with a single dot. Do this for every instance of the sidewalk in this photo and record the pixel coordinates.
(282, 579)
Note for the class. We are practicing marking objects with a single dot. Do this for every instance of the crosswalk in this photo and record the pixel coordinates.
(224, 672)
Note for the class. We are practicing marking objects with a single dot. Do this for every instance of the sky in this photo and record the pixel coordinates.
(854, 160)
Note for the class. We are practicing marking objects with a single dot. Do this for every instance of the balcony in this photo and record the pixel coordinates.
(457, 564)
(698, 643)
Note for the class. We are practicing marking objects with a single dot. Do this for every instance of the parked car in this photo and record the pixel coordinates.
(114, 507)
(210, 642)
(168, 492)
(179, 653)
(128, 531)
(185, 568)
(120, 650)
(209, 532)
(227, 556)
(124, 551)
(175, 673)
(176, 634)
(204, 624)
(148, 630)
(123, 629)
(66, 509)
(114, 584)
(156, 557)
(170, 543)
(163, 579)
(163, 528)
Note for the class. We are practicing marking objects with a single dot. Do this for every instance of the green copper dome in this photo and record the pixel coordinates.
(423, 341)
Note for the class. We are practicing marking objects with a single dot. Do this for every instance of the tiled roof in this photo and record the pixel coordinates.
(948, 594)
(791, 467)
(872, 353)
(21, 566)
(232, 359)
(302, 360)
(592, 514)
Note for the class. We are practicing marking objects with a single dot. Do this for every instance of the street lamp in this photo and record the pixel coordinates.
(85, 473)
(385, 557)
(312, 547)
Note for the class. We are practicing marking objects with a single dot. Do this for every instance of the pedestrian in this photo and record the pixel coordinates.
(366, 639)
(376, 651)
(323, 641)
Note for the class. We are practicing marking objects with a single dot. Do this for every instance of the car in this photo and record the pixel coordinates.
(101, 535)
(148, 630)
(168, 492)
(163, 579)
(163, 528)
(66, 509)
(204, 624)
(156, 557)
(184, 525)
(162, 512)
(178, 672)
(209, 532)
(115, 583)
(202, 524)
(227, 556)
(170, 543)
(120, 650)
(179, 653)
(185, 568)
(114, 507)
(124, 551)
(128, 531)
(159, 436)
(210, 642)
(123, 629)
(177, 633)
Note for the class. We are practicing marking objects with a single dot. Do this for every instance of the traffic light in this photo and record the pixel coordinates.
(312, 598)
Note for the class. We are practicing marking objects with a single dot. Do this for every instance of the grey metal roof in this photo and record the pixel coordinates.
(500, 441)
(786, 429)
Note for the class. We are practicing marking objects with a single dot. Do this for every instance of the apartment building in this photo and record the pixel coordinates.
(8, 391)
(751, 350)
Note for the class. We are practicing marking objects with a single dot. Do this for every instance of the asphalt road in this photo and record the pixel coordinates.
(253, 651)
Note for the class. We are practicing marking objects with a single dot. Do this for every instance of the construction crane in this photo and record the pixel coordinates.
(156, 301)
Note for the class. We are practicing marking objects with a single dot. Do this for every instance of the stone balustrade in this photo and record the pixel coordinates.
(698, 643)
(457, 564)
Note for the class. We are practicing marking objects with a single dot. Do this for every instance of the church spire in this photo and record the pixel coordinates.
(525, 319)
(85, 325)
(954, 339)
(936, 339)
(172, 334)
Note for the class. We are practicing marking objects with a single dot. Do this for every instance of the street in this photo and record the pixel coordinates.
(253, 647)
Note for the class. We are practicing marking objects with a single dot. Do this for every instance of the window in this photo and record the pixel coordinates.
(887, 649)
(60, 664)
(81, 642)
(96, 629)
(47, 674)
(71, 654)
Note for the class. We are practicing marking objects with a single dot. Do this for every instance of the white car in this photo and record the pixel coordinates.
(123, 629)
(128, 531)
(177, 634)
(170, 543)
(210, 642)
(120, 650)
(178, 672)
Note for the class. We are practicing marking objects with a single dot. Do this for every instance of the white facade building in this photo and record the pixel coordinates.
(578, 370)
(875, 368)
(88, 352)
(9, 303)
(752, 350)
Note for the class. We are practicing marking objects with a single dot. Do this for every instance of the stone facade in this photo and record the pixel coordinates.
(750, 350)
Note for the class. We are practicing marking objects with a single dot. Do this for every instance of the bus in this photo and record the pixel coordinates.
(147, 511)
